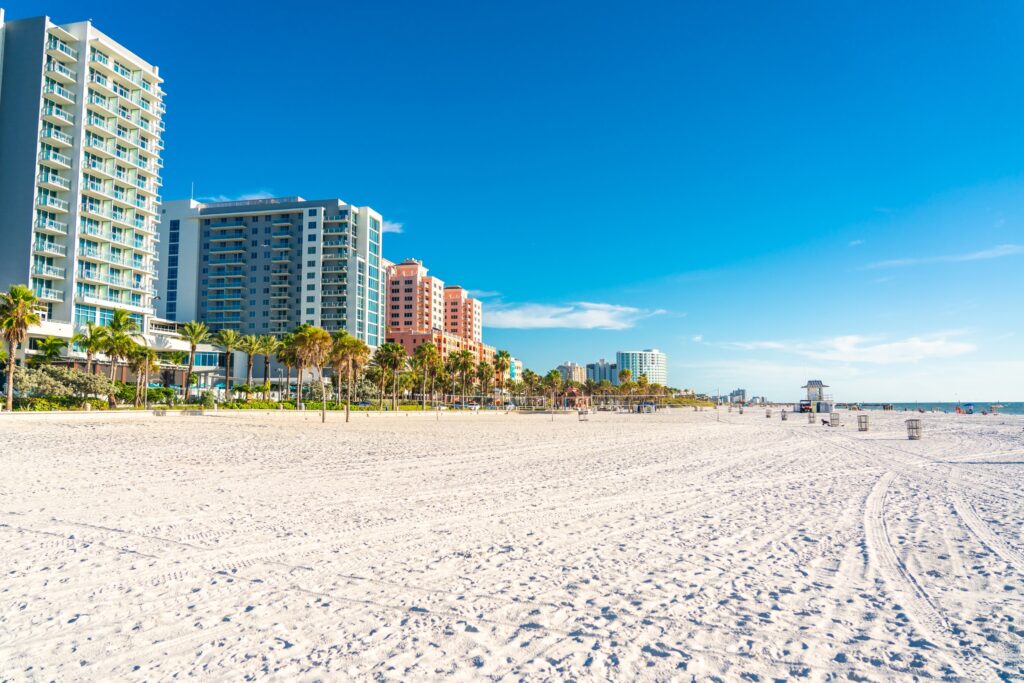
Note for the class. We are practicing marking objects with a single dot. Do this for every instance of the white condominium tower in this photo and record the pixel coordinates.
(650, 362)
(265, 266)
(80, 125)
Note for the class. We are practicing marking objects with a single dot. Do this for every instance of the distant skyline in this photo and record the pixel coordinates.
(766, 193)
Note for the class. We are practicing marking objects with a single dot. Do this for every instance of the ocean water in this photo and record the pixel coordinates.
(1009, 407)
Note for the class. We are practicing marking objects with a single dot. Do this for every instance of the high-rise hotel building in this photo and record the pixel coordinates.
(264, 266)
(81, 119)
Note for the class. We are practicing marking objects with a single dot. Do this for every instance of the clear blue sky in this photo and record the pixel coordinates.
(767, 192)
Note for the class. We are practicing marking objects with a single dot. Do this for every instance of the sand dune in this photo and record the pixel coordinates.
(657, 547)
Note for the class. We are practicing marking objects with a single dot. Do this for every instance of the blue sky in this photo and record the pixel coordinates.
(767, 192)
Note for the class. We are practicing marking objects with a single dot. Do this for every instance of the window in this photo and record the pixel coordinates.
(310, 299)
(311, 264)
(311, 237)
(311, 287)
(312, 212)
(310, 311)
(311, 250)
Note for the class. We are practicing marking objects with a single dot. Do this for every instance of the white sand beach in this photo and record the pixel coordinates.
(495, 547)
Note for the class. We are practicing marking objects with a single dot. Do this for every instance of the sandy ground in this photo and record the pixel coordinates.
(659, 547)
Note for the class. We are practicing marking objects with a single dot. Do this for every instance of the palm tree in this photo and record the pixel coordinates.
(502, 362)
(392, 358)
(463, 363)
(143, 362)
(530, 383)
(484, 375)
(228, 340)
(268, 346)
(286, 357)
(250, 345)
(356, 354)
(312, 348)
(642, 385)
(195, 333)
(48, 351)
(119, 340)
(552, 382)
(427, 359)
(92, 341)
(17, 314)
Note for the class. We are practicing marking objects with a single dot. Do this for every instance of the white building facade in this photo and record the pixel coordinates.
(650, 362)
(81, 119)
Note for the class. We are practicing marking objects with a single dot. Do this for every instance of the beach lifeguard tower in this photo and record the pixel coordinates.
(817, 400)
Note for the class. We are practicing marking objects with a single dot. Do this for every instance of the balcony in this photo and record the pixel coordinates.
(47, 201)
(49, 225)
(59, 93)
(99, 147)
(60, 50)
(58, 137)
(101, 103)
(102, 84)
(48, 271)
(41, 247)
(99, 166)
(98, 124)
(92, 254)
(236, 260)
(336, 243)
(334, 229)
(47, 294)
(60, 72)
(57, 116)
(228, 236)
(55, 159)
(280, 258)
(53, 181)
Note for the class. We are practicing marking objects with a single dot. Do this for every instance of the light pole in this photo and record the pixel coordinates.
(280, 379)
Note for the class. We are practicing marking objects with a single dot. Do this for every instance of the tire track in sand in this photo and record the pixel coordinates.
(919, 608)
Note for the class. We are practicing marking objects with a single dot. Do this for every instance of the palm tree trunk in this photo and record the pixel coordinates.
(348, 381)
(423, 391)
(394, 391)
(266, 377)
(323, 396)
(298, 386)
(248, 375)
(188, 377)
(380, 399)
(10, 378)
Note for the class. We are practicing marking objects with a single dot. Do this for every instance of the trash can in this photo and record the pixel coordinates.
(768, 412)
(741, 410)
(862, 423)
(810, 418)
(914, 429)
(834, 420)
(784, 415)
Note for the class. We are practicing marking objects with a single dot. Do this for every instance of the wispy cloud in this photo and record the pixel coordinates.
(864, 349)
(697, 338)
(582, 315)
(482, 293)
(392, 226)
(855, 243)
(260, 194)
(995, 252)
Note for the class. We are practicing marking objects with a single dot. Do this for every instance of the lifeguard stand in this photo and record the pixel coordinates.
(817, 400)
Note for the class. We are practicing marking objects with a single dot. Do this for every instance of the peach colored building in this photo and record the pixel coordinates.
(421, 309)
(463, 315)
(415, 300)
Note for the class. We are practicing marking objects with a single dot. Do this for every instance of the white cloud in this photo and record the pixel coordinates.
(855, 243)
(862, 349)
(392, 226)
(580, 315)
(482, 293)
(261, 194)
(697, 338)
(984, 254)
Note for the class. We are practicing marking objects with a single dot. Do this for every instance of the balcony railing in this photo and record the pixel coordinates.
(60, 91)
(58, 68)
(51, 224)
(54, 179)
(60, 46)
(50, 155)
(51, 294)
(47, 271)
(52, 202)
(51, 248)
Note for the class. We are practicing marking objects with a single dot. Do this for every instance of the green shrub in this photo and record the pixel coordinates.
(208, 400)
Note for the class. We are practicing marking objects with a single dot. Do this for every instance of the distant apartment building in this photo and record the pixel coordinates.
(421, 309)
(264, 266)
(572, 372)
(650, 362)
(603, 370)
(515, 370)
(738, 396)
(81, 123)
